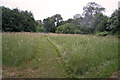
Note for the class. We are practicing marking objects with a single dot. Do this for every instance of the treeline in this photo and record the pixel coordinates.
(92, 20)
(17, 21)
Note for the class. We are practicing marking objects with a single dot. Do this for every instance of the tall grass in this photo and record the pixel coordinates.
(18, 48)
(87, 55)
(30, 55)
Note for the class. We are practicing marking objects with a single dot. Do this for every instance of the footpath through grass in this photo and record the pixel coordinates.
(37, 55)
(38, 59)
(88, 56)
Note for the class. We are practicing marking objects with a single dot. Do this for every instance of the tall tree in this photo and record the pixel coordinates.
(102, 25)
(40, 27)
(77, 16)
(51, 23)
(17, 21)
(99, 19)
(90, 10)
(114, 22)
(57, 19)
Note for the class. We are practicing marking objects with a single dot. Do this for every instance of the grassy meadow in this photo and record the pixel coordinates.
(40, 55)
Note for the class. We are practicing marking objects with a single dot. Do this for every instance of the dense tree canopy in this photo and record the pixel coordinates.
(17, 21)
(102, 25)
(66, 28)
(89, 12)
(114, 22)
(92, 21)
(57, 19)
(92, 8)
(51, 23)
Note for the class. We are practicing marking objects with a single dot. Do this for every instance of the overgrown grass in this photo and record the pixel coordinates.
(42, 55)
(30, 55)
(18, 48)
(88, 55)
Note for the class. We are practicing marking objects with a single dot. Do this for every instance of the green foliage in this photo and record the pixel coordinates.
(102, 33)
(40, 28)
(92, 8)
(114, 22)
(17, 21)
(89, 12)
(66, 28)
(102, 25)
(73, 29)
(51, 23)
(70, 21)
(96, 20)
(92, 21)
(57, 19)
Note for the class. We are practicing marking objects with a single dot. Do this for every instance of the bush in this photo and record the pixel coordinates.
(105, 33)
(66, 28)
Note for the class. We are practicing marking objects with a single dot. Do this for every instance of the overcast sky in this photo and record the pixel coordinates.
(67, 8)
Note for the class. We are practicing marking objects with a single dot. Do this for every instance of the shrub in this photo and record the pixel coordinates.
(105, 33)
(66, 28)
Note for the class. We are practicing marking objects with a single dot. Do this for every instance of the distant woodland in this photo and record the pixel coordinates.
(91, 21)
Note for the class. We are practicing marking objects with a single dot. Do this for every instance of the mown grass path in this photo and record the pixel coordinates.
(48, 64)
(34, 55)
(44, 64)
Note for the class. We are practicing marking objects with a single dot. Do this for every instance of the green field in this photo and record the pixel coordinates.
(38, 55)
